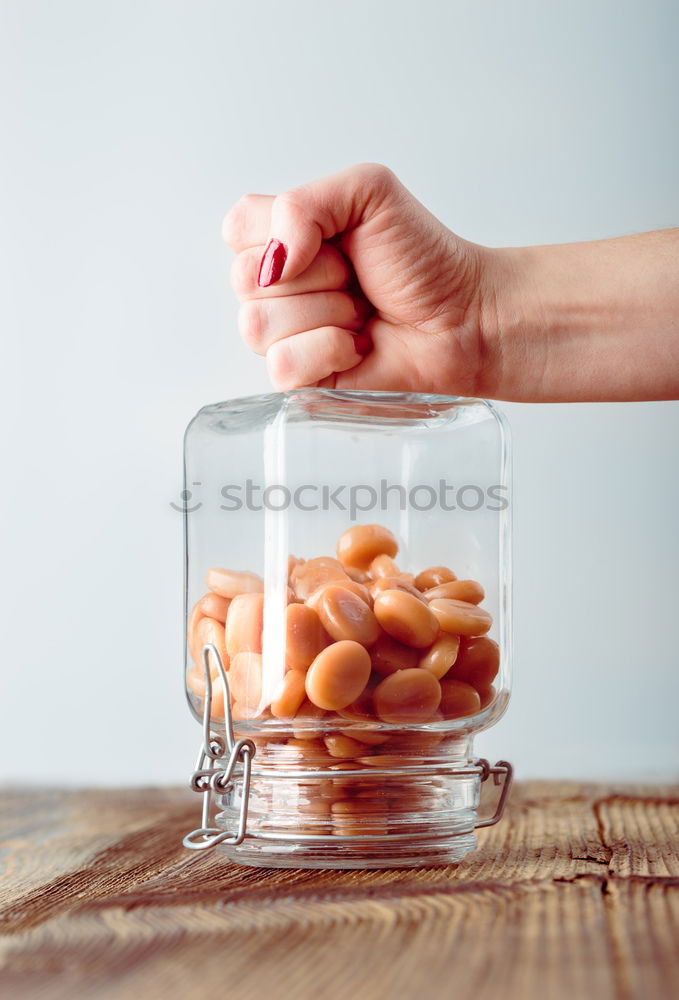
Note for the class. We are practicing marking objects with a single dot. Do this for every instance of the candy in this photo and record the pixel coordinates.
(458, 699)
(359, 819)
(338, 675)
(459, 590)
(361, 709)
(487, 695)
(408, 696)
(459, 617)
(309, 576)
(433, 576)
(356, 588)
(209, 632)
(244, 624)
(440, 656)
(195, 681)
(358, 546)
(344, 746)
(382, 566)
(214, 606)
(306, 721)
(478, 662)
(357, 575)
(345, 615)
(305, 637)
(389, 655)
(245, 681)
(401, 582)
(290, 695)
(406, 618)
(228, 583)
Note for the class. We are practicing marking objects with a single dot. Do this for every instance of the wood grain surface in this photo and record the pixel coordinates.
(575, 894)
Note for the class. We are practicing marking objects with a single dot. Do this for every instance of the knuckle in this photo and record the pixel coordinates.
(251, 324)
(280, 366)
(230, 226)
(291, 203)
(242, 274)
(378, 176)
(335, 267)
(235, 220)
(337, 348)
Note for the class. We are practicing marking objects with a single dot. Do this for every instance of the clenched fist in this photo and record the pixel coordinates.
(349, 282)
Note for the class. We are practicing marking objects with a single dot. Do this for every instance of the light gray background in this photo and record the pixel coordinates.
(127, 130)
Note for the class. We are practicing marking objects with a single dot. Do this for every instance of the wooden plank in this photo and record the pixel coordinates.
(574, 894)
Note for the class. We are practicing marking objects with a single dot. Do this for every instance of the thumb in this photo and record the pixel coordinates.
(305, 216)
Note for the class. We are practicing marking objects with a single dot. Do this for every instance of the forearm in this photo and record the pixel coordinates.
(584, 321)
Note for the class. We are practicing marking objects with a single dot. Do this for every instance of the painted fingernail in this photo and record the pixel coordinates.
(363, 343)
(273, 262)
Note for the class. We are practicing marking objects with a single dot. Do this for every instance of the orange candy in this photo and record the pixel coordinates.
(382, 566)
(195, 681)
(459, 590)
(406, 618)
(305, 637)
(434, 576)
(358, 546)
(345, 615)
(356, 588)
(401, 582)
(338, 675)
(208, 632)
(344, 747)
(487, 695)
(306, 721)
(228, 583)
(389, 655)
(460, 618)
(478, 662)
(290, 695)
(440, 657)
(244, 624)
(245, 681)
(309, 576)
(214, 606)
(458, 699)
(407, 696)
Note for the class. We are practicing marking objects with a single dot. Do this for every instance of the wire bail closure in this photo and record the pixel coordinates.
(212, 777)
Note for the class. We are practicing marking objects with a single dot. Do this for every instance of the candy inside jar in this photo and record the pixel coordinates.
(359, 667)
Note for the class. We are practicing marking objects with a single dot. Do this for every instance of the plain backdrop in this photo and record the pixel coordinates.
(127, 130)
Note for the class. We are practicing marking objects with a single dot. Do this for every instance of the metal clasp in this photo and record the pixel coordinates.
(502, 767)
(211, 776)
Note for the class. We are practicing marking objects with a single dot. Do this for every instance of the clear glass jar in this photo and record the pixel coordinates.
(348, 559)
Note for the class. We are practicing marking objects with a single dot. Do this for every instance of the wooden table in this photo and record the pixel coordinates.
(575, 894)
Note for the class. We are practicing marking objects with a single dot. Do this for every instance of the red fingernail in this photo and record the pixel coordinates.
(273, 262)
(363, 343)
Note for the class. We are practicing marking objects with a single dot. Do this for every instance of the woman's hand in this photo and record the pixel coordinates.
(350, 282)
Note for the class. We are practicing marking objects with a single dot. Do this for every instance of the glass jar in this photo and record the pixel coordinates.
(347, 623)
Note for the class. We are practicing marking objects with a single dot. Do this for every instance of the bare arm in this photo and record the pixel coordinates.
(585, 321)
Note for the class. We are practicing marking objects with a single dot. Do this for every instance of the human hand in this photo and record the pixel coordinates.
(375, 292)
(349, 282)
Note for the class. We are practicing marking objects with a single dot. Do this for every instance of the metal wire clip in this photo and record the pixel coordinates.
(213, 778)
